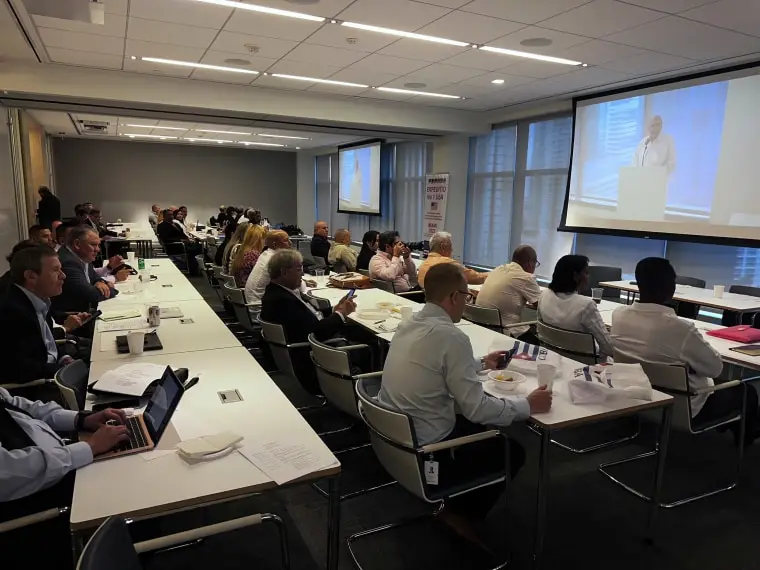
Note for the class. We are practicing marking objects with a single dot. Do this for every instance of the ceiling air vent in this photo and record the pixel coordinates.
(90, 11)
(93, 127)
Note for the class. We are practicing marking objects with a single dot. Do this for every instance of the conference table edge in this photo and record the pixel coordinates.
(685, 299)
(602, 416)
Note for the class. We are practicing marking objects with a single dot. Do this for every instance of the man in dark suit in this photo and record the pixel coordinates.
(83, 288)
(49, 207)
(284, 304)
(28, 334)
(95, 220)
(320, 246)
(170, 232)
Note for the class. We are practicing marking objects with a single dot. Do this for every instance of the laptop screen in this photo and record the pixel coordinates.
(162, 404)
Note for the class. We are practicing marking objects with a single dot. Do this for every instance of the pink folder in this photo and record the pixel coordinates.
(739, 333)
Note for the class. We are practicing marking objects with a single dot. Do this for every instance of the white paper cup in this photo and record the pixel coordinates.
(131, 258)
(546, 373)
(136, 342)
(406, 313)
(718, 291)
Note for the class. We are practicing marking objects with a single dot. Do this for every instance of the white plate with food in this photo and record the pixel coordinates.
(385, 306)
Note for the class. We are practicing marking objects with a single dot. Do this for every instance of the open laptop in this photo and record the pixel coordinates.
(146, 429)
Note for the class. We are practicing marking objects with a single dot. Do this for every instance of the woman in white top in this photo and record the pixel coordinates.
(561, 306)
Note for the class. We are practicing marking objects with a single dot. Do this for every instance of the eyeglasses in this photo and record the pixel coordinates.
(538, 263)
(468, 297)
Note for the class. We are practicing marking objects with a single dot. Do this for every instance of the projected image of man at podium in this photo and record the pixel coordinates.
(657, 148)
(357, 185)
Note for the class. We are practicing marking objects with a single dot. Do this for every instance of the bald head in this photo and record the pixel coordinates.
(277, 239)
(526, 257)
(442, 280)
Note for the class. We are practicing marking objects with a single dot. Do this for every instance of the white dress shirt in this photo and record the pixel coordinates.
(401, 271)
(656, 152)
(508, 288)
(574, 312)
(431, 373)
(654, 333)
(26, 471)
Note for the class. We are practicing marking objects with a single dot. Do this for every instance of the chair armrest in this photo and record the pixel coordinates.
(38, 382)
(32, 519)
(332, 341)
(299, 345)
(749, 380)
(66, 341)
(717, 387)
(369, 375)
(353, 347)
(521, 324)
(458, 442)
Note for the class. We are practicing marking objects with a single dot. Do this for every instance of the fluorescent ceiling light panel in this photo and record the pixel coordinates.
(284, 137)
(247, 143)
(153, 127)
(414, 92)
(206, 140)
(529, 55)
(315, 80)
(402, 34)
(264, 10)
(161, 137)
(198, 65)
(221, 132)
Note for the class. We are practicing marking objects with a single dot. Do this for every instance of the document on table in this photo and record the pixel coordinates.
(130, 379)
(285, 459)
(133, 323)
(117, 315)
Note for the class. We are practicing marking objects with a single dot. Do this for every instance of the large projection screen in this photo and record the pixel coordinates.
(675, 160)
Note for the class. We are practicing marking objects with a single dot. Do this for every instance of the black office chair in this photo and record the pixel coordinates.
(600, 273)
(72, 382)
(731, 318)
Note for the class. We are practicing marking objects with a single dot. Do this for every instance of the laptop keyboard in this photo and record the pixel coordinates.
(136, 436)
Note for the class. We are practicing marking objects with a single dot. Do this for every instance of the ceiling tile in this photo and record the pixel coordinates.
(137, 66)
(277, 83)
(583, 79)
(447, 73)
(435, 85)
(670, 6)
(181, 12)
(535, 69)
(324, 8)
(399, 14)
(445, 3)
(85, 58)
(527, 11)
(309, 53)
(601, 18)
(649, 62)
(485, 80)
(166, 33)
(325, 88)
(81, 42)
(269, 26)
(415, 49)
(597, 52)
(689, 39)
(304, 69)
(117, 7)
(390, 64)
(267, 47)
(149, 49)
(468, 27)
(337, 36)
(475, 59)
(375, 94)
(365, 76)
(739, 15)
(560, 40)
(472, 91)
(260, 64)
(115, 25)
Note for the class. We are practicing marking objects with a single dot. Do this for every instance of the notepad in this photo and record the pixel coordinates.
(130, 379)
(748, 349)
(123, 314)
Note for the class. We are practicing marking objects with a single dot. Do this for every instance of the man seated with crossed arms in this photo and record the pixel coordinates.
(430, 374)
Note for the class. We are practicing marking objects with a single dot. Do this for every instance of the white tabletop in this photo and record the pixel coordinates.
(136, 231)
(133, 486)
(205, 333)
(160, 266)
(169, 286)
(697, 295)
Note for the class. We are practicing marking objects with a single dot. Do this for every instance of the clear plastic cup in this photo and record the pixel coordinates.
(596, 294)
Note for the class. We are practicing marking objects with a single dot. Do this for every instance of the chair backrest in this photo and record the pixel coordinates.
(236, 297)
(364, 272)
(142, 247)
(333, 368)
(274, 335)
(339, 267)
(599, 273)
(304, 246)
(666, 378)
(489, 317)
(68, 379)
(110, 548)
(578, 346)
(384, 285)
(745, 290)
(691, 281)
(392, 436)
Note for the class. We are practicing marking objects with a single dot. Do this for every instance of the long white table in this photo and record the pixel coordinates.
(166, 287)
(159, 483)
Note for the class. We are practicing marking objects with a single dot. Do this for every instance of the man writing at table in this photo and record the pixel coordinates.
(430, 374)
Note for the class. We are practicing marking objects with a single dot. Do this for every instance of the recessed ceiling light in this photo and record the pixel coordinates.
(315, 80)
(247, 143)
(237, 61)
(206, 140)
(263, 9)
(298, 148)
(137, 135)
(284, 137)
(536, 42)
(153, 127)
(415, 85)
(529, 55)
(403, 34)
(221, 132)
(498, 82)
(411, 92)
(198, 65)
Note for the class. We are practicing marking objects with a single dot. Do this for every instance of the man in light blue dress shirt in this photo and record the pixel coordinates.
(431, 375)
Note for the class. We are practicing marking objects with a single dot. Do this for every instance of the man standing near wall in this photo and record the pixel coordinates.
(49, 207)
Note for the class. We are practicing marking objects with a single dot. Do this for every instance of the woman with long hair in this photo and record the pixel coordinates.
(370, 241)
(247, 254)
(233, 245)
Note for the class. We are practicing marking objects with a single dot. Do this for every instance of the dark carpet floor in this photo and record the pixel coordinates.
(592, 523)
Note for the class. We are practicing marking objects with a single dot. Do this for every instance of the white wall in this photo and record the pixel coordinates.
(305, 190)
(452, 155)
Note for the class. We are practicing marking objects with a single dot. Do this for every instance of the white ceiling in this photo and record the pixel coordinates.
(621, 42)
(63, 124)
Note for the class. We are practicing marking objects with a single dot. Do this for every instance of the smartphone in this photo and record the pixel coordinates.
(351, 293)
(505, 358)
(93, 315)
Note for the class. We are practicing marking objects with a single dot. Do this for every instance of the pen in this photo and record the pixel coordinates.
(192, 382)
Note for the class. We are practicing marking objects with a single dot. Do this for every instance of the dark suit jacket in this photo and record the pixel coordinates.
(48, 210)
(320, 247)
(168, 232)
(362, 262)
(79, 291)
(280, 306)
(22, 347)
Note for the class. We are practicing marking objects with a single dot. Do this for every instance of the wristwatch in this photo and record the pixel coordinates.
(81, 417)
(483, 364)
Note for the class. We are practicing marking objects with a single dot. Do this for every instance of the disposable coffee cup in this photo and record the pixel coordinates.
(718, 291)
(131, 258)
(546, 373)
(406, 313)
(136, 342)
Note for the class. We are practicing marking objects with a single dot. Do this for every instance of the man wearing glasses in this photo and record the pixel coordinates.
(509, 288)
(431, 375)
